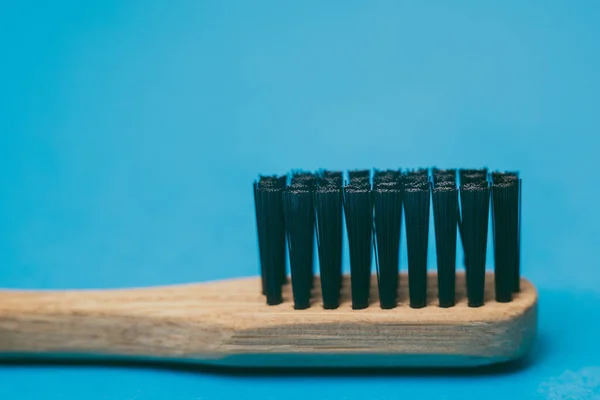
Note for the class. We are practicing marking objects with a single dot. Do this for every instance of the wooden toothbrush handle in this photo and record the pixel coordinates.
(170, 322)
(227, 323)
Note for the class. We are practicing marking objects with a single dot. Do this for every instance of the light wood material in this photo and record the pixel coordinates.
(228, 323)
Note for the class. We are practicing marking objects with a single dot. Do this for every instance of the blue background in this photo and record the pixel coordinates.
(130, 132)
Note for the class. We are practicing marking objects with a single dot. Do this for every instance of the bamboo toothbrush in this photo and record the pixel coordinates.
(449, 318)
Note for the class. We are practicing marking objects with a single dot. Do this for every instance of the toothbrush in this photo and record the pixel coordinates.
(447, 318)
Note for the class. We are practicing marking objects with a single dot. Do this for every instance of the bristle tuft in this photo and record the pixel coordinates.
(329, 217)
(418, 176)
(358, 174)
(330, 178)
(441, 176)
(305, 178)
(474, 206)
(360, 178)
(387, 204)
(359, 224)
(416, 209)
(389, 175)
(506, 215)
(445, 213)
(473, 176)
(299, 226)
(271, 235)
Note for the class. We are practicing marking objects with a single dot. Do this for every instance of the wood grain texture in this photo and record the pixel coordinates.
(228, 323)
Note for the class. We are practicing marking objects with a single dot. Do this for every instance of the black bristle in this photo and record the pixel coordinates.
(359, 174)
(415, 177)
(359, 224)
(264, 182)
(443, 175)
(329, 217)
(445, 213)
(330, 178)
(291, 213)
(387, 205)
(506, 208)
(271, 235)
(474, 205)
(416, 200)
(445, 199)
(269, 182)
(466, 176)
(363, 183)
(306, 178)
(309, 180)
(360, 178)
(473, 176)
(299, 226)
(504, 177)
(386, 176)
